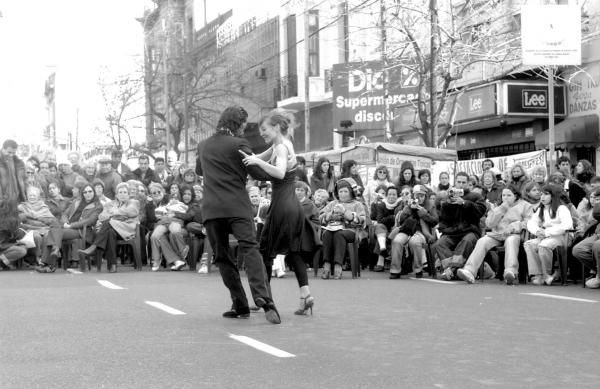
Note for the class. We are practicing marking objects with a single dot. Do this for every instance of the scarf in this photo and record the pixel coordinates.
(443, 187)
(391, 206)
(36, 210)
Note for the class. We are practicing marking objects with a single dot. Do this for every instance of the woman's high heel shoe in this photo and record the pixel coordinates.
(306, 304)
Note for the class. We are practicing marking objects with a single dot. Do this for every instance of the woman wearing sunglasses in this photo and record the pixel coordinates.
(82, 213)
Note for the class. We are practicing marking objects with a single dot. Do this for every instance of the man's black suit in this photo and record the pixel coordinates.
(226, 209)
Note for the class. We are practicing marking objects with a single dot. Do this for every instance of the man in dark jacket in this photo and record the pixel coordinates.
(226, 209)
(459, 225)
(143, 173)
(12, 172)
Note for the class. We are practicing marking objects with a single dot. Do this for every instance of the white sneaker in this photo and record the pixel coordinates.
(155, 266)
(178, 265)
(548, 279)
(537, 280)
(203, 269)
(465, 275)
(593, 283)
(280, 273)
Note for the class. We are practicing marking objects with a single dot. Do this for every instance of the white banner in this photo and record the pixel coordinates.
(529, 161)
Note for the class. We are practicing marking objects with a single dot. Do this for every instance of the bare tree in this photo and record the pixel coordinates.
(122, 96)
(440, 43)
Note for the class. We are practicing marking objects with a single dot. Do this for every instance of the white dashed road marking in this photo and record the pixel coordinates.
(262, 346)
(165, 308)
(437, 281)
(73, 271)
(109, 285)
(554, 296)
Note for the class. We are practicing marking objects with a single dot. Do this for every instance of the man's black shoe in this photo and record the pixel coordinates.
(394, 276)
(271, 313)
(419, 274)
(237, 314)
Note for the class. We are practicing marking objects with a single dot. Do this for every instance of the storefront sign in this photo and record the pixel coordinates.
(551, 34)
(358, 93)
(476, 104)
(529, 161)
(527, 99)
(583, 91)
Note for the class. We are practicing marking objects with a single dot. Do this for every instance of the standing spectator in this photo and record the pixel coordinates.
(109, 177)
(119, 167)
(160, 171)
(12, 172)
(444, 184)
(143, 173)
(74, 158)
(549, 224)
(425, 178)
(68, 177)
(323, 176)
(460, 214)
(44, 168)
(53, 169)
(89, 171)
(407, 175)
(350, 170)
(487, 164)
(381, 177)
(301, 169)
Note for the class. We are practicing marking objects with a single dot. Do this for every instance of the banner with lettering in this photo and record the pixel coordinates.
(529, 161)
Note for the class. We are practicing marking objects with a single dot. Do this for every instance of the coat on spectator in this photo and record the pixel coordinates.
(146, 179)
(12, 186)
(552, 226)
(88, 218)
(456, 219)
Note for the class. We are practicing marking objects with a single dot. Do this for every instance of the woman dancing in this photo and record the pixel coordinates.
(286, 231)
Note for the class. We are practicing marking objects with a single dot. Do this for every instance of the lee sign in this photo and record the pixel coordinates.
(358, 93)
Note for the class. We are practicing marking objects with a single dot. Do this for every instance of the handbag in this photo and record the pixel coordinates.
(27, 240)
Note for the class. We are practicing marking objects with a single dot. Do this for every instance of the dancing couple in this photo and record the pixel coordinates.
(226, 209)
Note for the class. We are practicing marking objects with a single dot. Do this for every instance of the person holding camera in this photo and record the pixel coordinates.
(460, 213)
(414, 225)
(385, 216)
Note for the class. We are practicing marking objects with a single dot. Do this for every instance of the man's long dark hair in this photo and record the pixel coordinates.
(232, 119)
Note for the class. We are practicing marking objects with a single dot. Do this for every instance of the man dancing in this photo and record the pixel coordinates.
(226, 209)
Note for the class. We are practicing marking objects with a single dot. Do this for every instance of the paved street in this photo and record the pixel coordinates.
(66, 330)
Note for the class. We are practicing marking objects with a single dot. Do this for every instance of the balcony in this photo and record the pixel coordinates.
(289, 86)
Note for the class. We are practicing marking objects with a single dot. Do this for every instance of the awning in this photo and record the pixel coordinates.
(579, 131)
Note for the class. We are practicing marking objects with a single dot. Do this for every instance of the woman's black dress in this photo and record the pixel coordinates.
(286, 229)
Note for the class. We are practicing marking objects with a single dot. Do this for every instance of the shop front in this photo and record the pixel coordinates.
(578, 136)
(503, 118)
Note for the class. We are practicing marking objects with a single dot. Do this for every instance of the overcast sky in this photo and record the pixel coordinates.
(76, 37)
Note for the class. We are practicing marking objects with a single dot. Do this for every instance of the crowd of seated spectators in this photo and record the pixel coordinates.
(402, 224)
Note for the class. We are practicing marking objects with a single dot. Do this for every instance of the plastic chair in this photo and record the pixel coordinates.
(352, 249)
(136, 247)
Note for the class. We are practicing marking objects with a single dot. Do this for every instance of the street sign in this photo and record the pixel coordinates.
(551, 34)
